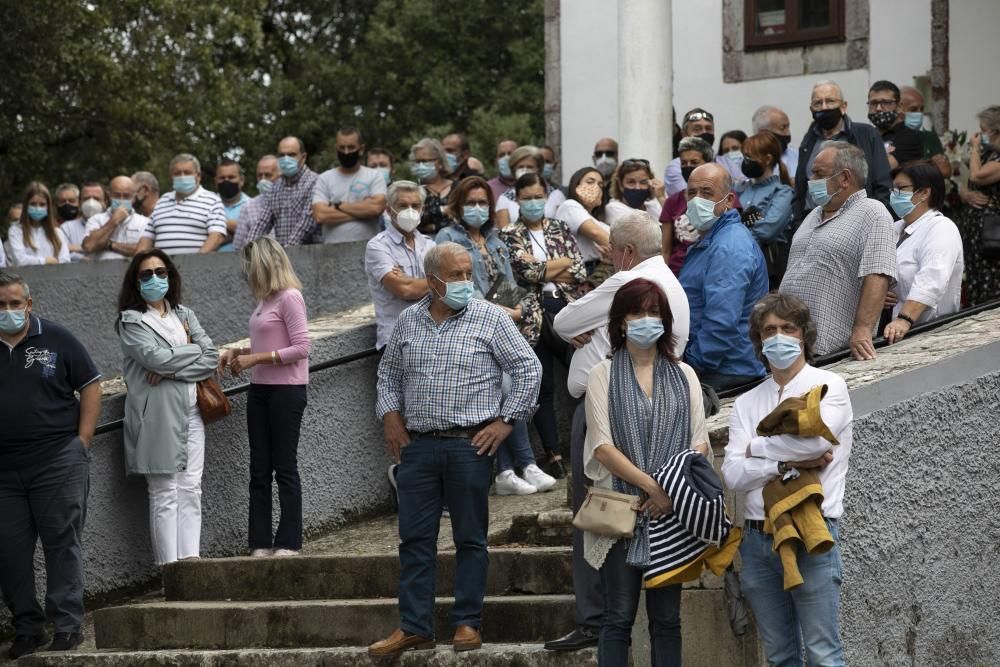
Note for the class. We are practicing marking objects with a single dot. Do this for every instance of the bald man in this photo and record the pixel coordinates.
(115, 233)
(606, 156)
(911, 108)
(723, 276)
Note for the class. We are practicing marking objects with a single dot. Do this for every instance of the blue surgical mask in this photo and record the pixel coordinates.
(735, 157)
(532, 209)
(701, 213)
(288, 165)
(913, 119)
(475, 216)
(184, 184)
(781, 351)
(503, 166)
(452, 161)
(38, 213)
(902, 203)
(264, 186)
(819, 192)
(121, 203)
(548, 170)
(645, 331)
(12, 321)
(424, 171)
(154, 289)
(458, 294)
(984, 139)
(385, 174)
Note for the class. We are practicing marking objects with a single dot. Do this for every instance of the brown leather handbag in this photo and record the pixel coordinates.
(212, 402)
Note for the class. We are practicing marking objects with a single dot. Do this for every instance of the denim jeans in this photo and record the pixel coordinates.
(516, 449)
(435, 472)
(274, 416)
(622, 585)
(47, 501)
(812, 609)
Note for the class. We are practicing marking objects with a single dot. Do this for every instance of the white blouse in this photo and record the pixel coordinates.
(171, 329)
(22, 255)
(930, 265)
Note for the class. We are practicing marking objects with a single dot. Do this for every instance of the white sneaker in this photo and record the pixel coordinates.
(538, 478)
(260, 553)
(285, 552)
(509, 484)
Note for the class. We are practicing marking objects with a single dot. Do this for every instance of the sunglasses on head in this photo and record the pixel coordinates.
(632, 161)
(147, 274)
(698, 115)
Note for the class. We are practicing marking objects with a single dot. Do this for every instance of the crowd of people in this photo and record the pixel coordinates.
(740, 266)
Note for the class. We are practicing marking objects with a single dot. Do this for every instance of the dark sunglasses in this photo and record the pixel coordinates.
(146, 274)
(605, 153)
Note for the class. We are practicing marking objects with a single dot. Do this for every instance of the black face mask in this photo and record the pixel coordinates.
(68, 211)
(828, 118)
(883, 120)
(348, 160)
(784, 140)
(707, 137)
(137, 203)
(751, 168)
(635, 197)
(686, 173)
(228, 189)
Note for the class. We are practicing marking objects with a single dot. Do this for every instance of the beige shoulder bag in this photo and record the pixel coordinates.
(608, 513)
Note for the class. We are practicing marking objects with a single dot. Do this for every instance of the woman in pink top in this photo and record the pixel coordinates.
(279, 357)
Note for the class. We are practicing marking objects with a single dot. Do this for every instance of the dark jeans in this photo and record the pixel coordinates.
(548, 352)
(48, 500)
(622, 585)
(516, 450)
(274, 415)
(435, 472)
(586, 580)
(722, 382)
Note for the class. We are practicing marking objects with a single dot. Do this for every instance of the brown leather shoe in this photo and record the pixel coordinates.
(398, 642)
(467, 638)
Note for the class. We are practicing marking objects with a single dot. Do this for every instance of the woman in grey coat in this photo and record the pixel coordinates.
(166, 354)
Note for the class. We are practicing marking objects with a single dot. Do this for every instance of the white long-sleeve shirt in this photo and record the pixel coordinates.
(22, 255)
(590, 314)
(750, 475)
(930, 265)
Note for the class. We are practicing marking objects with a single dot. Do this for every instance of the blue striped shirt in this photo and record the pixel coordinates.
(449, 375)
(182, 227)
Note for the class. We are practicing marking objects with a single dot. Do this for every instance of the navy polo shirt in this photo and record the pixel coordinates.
(39, 412)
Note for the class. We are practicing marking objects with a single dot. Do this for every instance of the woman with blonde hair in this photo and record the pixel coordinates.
(279, 357)
(36, 239)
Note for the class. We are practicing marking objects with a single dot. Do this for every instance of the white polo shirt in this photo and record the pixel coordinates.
(129, 231)
(182, 227)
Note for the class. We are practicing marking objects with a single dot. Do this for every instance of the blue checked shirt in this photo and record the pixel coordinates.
(448, 375)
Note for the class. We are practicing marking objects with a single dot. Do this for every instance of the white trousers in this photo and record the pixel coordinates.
(175, 501)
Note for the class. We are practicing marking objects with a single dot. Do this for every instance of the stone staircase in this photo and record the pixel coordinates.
(323, 610)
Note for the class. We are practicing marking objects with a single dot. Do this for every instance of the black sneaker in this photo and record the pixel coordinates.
(66, 641)
(556, 469)
(26, 645)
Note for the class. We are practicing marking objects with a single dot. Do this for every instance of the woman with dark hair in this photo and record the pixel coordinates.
(524, 160)
(36, 239)
(547, 262)
(982, 213)
(767, 200)
(166, 354)
(634, 188)
(583, 213)
(643, 406)
(928, 253)
(731, 153)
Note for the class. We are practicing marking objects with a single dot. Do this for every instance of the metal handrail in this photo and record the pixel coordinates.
(244, 387)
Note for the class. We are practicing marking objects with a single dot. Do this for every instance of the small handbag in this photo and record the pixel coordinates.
(607, 513)
(991, 236)
(212, 402)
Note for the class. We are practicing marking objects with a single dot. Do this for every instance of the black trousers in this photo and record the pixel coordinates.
(274, 416)
(549, 350)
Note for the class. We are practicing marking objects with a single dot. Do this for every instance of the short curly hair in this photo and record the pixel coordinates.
(788, 308)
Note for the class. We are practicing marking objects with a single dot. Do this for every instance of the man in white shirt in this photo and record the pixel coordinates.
(635, 253)
(188, 220)
(349, 199)
(115, 233)
(783, 332)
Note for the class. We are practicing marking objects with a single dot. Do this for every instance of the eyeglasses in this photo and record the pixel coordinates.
(897, 190)
(828, 103)
(147, 274)
(605, 153)
(888, 105)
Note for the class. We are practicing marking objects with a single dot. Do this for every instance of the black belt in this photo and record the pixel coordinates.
(465, 432)
(758, 524)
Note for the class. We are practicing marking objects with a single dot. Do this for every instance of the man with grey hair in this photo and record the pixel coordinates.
(147, 192)
(843, 256)
(189, 219)
(445, 415)
(394, 259)
(115, 233)
(830, 123)
(349, 199)
(723, 275)
(635, 253)
(775, 121)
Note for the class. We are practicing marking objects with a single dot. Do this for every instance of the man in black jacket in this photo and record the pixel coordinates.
(830, 123)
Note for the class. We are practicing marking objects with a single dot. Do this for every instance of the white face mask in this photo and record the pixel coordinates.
(408, 219)
(91, 207)
(522, 171)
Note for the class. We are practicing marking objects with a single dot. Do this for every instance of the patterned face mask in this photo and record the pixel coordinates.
(590, 194)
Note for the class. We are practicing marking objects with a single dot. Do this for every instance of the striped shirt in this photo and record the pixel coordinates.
(182, 227)
(449, 375)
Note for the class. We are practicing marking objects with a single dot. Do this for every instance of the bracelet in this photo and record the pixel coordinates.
(274, 358)
(905, 318)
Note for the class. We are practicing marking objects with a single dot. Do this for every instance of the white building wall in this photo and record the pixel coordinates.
(900, 49)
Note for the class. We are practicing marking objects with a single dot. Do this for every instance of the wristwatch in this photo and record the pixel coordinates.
(783, 468)
(509, 421)
(336, 205)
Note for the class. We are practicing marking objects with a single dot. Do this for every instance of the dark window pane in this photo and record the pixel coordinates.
(814, 14)
(770, 17)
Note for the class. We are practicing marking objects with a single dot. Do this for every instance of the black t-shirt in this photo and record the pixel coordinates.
(907, 144)
(39, 411)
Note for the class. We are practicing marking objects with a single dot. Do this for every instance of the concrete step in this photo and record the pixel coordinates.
(300, 624)
(550, 529)
(491, 655)
(533, 571)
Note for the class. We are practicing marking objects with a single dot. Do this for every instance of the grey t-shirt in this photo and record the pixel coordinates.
(333, 186)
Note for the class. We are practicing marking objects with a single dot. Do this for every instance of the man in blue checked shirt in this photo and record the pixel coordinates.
(444, 415)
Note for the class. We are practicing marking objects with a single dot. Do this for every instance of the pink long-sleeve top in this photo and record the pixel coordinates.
(279, 323)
